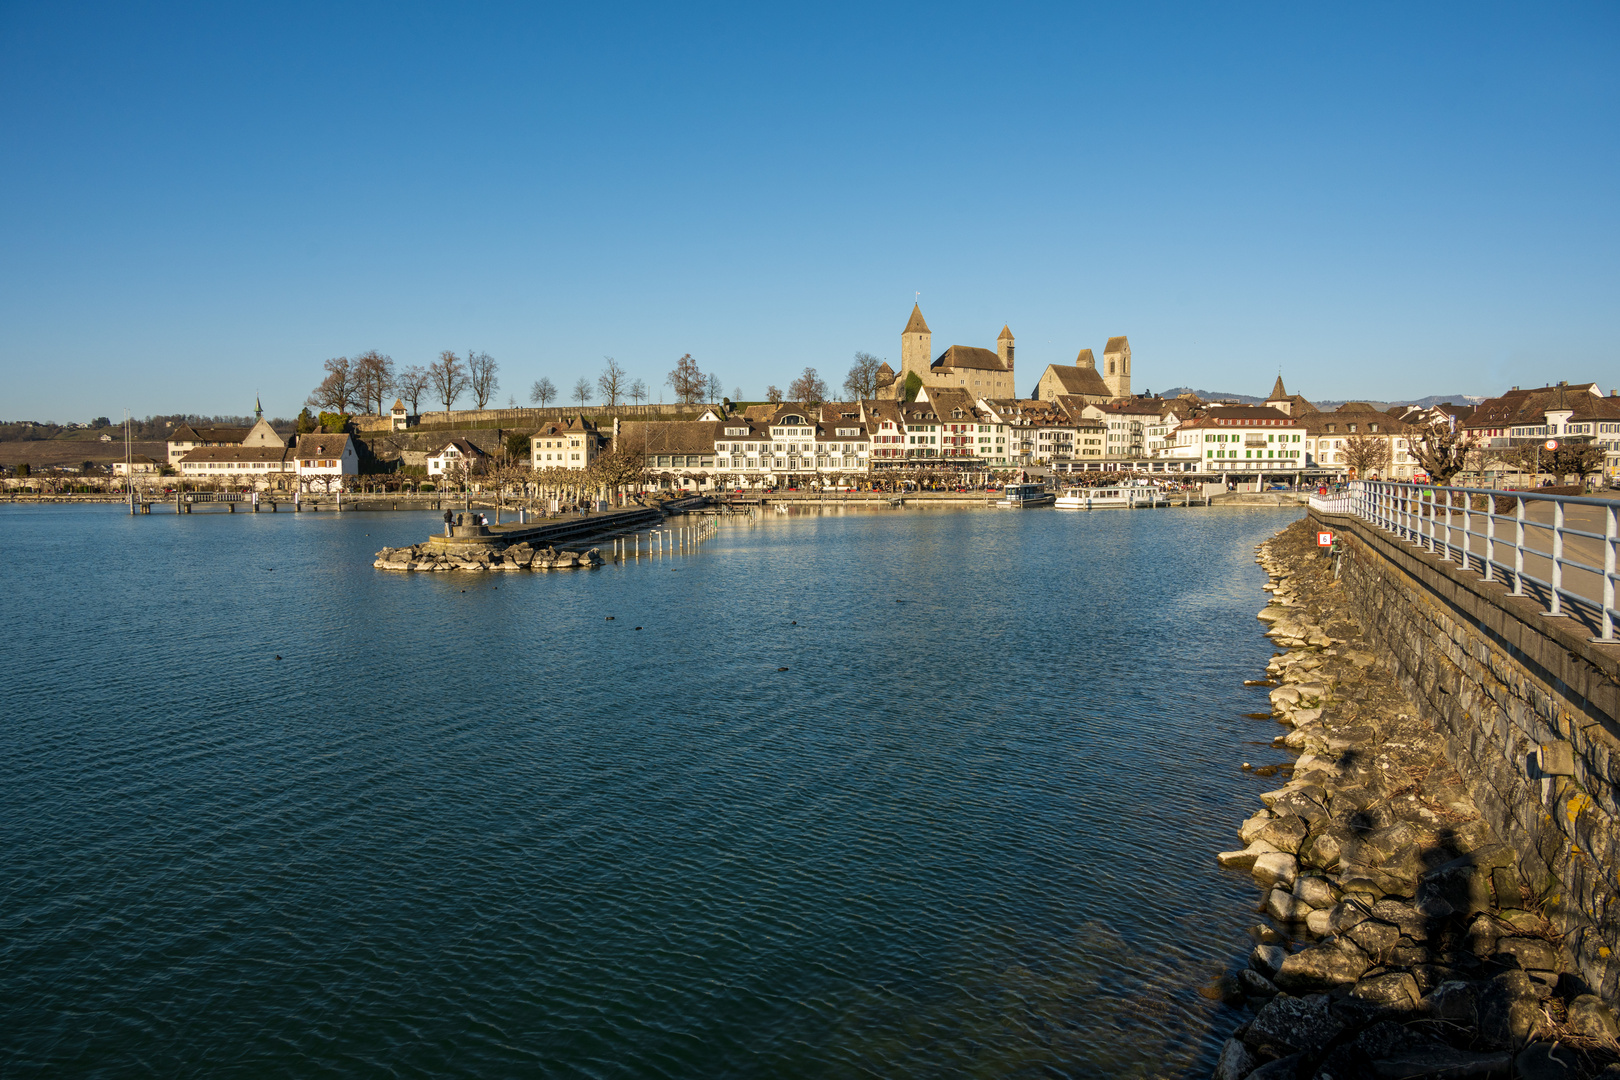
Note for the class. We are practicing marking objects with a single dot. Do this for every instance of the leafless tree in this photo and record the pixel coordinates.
(1575, 459)
(542, 391)
(687, 381)
(736, 393)
(373, 379)
(337, 391)
(1442, 451)
(610, 384)
(809, 388)
(481, 377)
(448, 377)
(638, 391)
(1367, 454)
(773, 395)
(861, 382)
(412, 384)
(582, 391)
(716, 390)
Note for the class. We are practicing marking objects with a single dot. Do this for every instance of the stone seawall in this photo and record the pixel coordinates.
(1526, 707)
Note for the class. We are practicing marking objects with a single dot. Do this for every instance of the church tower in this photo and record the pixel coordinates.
(916, 342)
(1116, 372)
(1004, 348)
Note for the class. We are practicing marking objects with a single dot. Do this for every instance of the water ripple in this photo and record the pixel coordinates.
(488, 832)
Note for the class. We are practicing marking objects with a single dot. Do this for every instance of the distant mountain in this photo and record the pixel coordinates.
(1326, 405)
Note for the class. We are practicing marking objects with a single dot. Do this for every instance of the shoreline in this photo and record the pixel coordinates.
(1400, 941)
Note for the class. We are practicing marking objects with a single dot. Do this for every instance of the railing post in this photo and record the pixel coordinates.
(1609, 541)
(1467, 528)
(1445, 547)
(1556, 608)
(1518, 548)
(1490, 538)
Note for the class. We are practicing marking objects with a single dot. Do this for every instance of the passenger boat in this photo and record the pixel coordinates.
(1118, 496)
(1018, 496)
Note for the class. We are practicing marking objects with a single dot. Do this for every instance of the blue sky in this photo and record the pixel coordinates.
(201, 203)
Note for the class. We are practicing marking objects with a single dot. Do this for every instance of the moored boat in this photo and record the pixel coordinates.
(1019, 496)
(1117, 496)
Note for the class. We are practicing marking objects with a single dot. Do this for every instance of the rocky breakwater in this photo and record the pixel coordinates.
(1400, 941)
(427, 557)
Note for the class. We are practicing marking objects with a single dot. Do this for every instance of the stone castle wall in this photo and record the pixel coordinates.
(1528, 709)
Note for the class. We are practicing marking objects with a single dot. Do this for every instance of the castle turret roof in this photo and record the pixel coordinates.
(1006, 334)
(917, 325)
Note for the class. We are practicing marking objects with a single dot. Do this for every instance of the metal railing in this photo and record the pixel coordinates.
(1503, 536)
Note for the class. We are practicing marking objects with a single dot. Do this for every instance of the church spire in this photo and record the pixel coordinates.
(1277, 392)
(258, 410)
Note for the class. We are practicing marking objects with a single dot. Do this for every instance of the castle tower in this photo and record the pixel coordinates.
(1116, 371)
(1004, 348)
(916, 342)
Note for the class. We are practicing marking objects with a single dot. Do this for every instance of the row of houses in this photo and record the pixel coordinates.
(945, 426)
(262, 458)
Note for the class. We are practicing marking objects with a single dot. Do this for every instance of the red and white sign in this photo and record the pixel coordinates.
(1552, 444)
(1324, 539)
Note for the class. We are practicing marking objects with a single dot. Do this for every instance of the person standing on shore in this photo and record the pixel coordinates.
(448, 518)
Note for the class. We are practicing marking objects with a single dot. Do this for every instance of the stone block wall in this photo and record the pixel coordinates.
(1527, 706)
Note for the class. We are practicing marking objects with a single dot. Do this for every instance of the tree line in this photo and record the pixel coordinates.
(364, 383)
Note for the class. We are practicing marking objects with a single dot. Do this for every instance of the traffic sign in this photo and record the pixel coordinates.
(1324, 539)
(1552, 444)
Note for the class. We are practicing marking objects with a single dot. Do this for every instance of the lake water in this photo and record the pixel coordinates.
(267, 811)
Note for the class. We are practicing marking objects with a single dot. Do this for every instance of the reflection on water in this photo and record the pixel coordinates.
(969, 831)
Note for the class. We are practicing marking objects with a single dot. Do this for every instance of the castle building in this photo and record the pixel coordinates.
(981, 372)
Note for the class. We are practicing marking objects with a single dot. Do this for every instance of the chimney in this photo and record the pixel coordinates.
(1515, 388)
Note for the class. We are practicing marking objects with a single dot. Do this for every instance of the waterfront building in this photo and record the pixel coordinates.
(185, 438)
(235, 465)
(1128, 422)
(886, 431)
(571, 444)
(455, 452)
(139, 465)
(1243, 440)
(325, 460)
(1332, 440)
(1569, 412)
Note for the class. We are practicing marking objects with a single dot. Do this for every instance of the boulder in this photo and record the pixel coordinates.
(1409, 920)
(1255, 984)
(1275, 868)
(1284, 697)
(1266, 959)
(1454, 1002)
(1316, 891)
(1285, 907)
(1319, 923)
(1547, 1061)
(1463, 883)
(1284, 833)
(1342, 916)
(1245, 859)
(1322, 967)
(1374, 938)
(1249, 831)
(1508, 1011)
(1531, 953)
(1590, 1017)
(1235, 1061)
(1395, 990)
(1290, 1025)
